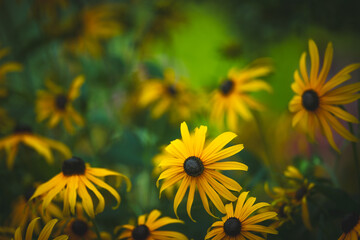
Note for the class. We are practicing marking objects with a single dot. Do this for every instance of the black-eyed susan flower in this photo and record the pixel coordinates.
(197, 165)
(233, 98)
(241, 223)
(147, 228)
(168, 95)
(315, 104)
(42, 145)
(56, 104)
(44, 234)
(350, 227)
(74, 179)
(5, 68)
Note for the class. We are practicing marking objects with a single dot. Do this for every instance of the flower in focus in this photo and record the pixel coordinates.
(197, 166)
(233, 96)
(56, 104)
(166, 95)
(315, 104)
(75, 178)
(44, 234)
(239, 224)
(350, 227)
(146, 230)
(40, 144)
(6, 68)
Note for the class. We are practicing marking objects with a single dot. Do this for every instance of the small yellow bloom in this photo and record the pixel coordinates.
(56, 104)
(233, 96)
(23, 134)
(148, 230)
(239, 224)
(316, 103)
(196, 164)
(75, 178)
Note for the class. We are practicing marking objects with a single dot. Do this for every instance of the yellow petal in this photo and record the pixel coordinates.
(191, 198)
(181, 192)
(45, 187)
(227, 166)
(186, 138)
(87, 202)
(303, 69)
(74, 90)
(101, 205)
(217, 144)
(225, 153)
(327, 64)
(30, 229)
(45, 233)
(314, 56)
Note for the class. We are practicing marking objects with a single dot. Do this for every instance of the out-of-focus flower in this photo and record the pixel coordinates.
(350, 227)
(196, 165)
(56, 104)
(44, 234)
(316, 101)
(6, 67)
(75, 178)
(23, 134)
(92, 26)
(239, 224)
(146, 230)
(168, 95)
(233, 96)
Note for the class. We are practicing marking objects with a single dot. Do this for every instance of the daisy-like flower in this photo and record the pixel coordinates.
(168, 95)
(56, 104)
(23, 134)
(196, 166)
(350, 227)
(6, 68)
(147, 228)
(239, 224)
(44, 234)
(315, 104)
(75, 178)
(233, 96)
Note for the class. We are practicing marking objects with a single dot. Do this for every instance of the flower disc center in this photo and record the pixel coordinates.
(349, 222)
(79, 227)
(141, 232)
(227, 86)
(73, 166)
(172, 90)
(61, 101)
(300, 193)
(193, 166)
(232, 227)
(310, 100)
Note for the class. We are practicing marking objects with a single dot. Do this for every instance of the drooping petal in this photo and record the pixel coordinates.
(45, 187)
(191, 198)
(181, 192)
(30, 229)
(87, 202)
(101, 205)
(45, 233)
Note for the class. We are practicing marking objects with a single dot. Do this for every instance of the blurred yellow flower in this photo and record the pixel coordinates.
(239, 224)
(233, 96)
(6, 68)
(197, 165)
(350, 227)
(315, 103)
(23, 134)
(148, 230)
(75, 178)
(56, 104)
(168, 95)
(44, 234)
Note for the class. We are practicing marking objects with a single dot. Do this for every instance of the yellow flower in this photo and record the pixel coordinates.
(196, 165)
(75, 178)
(44, 234)
(91, 27)
(40, 144)
(6, 68)
(350, 227)
(147, 230)
(239, 224)
(56, 104)
(316, 100)
(233, 96)
(166, 95)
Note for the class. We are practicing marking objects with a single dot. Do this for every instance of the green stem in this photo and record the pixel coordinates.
(96, 229)
(355, 155)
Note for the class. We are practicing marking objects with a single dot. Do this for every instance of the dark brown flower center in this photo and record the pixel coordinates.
(141, 232)
(22, 129)
(172, 90)
(349, 222)
(310, 100)
(79, 227)
(61, 101)
(227, 86)
(232, 227)
(193, 166)
(300, 193)
(73, 166)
